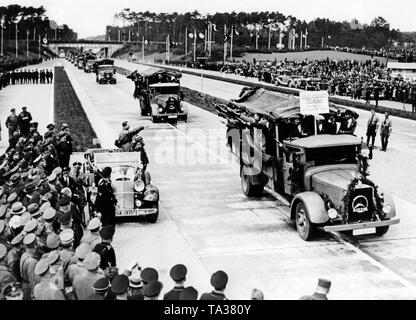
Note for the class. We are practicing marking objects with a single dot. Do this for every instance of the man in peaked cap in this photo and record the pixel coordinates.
(106, 200)
(27, 265)
(66, 252)
(30, 226)
(6, 276)
(83, 283)
(101, 288)
(178, 275)
(46, 289)
(92, 238)
(321, 292)
(12, 122)
(66, 207)
(149, 275)
(78, 268)
(50, 217)
(24, 119)
(152, 290)
(31, 193)
(119, 286)
(219, 281)
(52, 241)
(105, 249)
(188, 293)
(14, 255)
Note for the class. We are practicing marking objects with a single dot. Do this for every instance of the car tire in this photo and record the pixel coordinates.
(304, 226)
(381, 231)
(153, 217)
(249, 189)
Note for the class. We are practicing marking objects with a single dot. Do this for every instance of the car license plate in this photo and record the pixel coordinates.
(135, 212)
(360, 232)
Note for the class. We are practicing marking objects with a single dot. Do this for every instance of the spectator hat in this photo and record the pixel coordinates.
(50, 126)
(25, 218)
(3, 251)
(52, 177)
(3, 210)
(107, 232)
(64, 218)
(43, 207)
(30, 226)
(14, 222)
(33, 209)
(178, 272)
(2, 226)
(135, 280)
(29, 239)
(219, 280)
(18, 209)
(120, 284)
(324, 283)
(53, 257)
(42, 267)
(94, 224)
(64, 201)
(82, 250)
(66, 237)
(30, 187)
(17, 240)
(14, 179)
(57, 171)
(49, 214)
(52, 241)
(101, 285)
(188, 293)
(12, 198)
(149, 274)
(92, 260)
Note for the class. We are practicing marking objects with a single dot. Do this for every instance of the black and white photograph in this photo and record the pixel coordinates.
(207, 150)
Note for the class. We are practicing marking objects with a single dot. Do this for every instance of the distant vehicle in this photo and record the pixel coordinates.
(105, 71)
(312, 84)
(287, 78)
(320, 174)
(61, 53)
(159, 94)
(134, 197)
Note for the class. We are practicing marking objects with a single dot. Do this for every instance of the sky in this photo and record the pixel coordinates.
(90, 17)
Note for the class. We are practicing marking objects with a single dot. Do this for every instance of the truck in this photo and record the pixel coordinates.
(159, 94)
(89, 60)
(105, 71)
(323, 176)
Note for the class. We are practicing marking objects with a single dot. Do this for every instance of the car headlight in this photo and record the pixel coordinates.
(151, 196)
(332, 213)
(386, 209)
(160, 109)
(139, 186)
(138, 203)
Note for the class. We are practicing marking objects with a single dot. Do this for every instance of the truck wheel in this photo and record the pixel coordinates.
(381, 231)
(303, 225)
(153, 217)
(155, 119)
(249, 189)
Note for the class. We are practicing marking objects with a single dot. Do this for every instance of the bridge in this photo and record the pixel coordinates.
(105, 48)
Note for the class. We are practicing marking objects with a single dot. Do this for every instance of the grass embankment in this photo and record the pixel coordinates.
(68, 109)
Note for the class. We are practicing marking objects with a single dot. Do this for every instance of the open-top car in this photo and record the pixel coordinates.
(286, 78)
(136, 196)
(323, 176)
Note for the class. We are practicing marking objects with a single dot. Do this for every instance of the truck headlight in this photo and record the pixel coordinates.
(139, 186)
(332, 213)
(138, 203)
(160, 109)
(386, 209)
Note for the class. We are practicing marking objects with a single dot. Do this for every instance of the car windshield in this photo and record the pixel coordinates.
(122, 173)
(106, 68)
(167, 90)
(332, 155)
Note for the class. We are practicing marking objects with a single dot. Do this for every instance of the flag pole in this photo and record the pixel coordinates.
(142, 48)
(301, 40)
(225, 42)
(194, 45)
(186, 41)
(231, 42)
(39, 45)
(257, 39)
(306, 39)
(270, 37)
(27, 43)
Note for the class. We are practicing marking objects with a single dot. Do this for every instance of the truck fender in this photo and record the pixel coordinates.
(388, 200)
(314, 205)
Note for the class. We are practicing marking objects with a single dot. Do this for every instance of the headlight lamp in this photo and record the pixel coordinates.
(332, 213)
(139, 186)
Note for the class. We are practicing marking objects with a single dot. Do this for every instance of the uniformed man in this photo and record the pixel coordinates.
(83, 283)
(66, 252)
(106, 201)
(46, 289)
(14, 255)
(219, 281)
(51, 225)
(105, 249)
(152, 290)
(102, 290)
(178, 275)
(321, 292)
(12, 123)
(119, 286)
(188, 293)
(27, 266)
(75, 269)
(92, 238)
(6, 276)
(126, 135)
(24, 120)
(31, 193)
(69, 209)
(385, 131)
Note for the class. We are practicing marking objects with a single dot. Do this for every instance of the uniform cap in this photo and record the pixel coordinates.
(3, 251)
(101, 285)
(120, 284)
(15, 178)
(106, 172)
(52, 241)
(29, 239)
(17, 239)
(49, 214)
(57, 171)
(124, 123)
(135, 280)
(44, 206)
(15, 169)
(37, 159)
(25, 218)
(18, 208)
(53, 257)
(64, 218)
(149, 275)
(64, 125)
(152, 289)
(178, 272)
(94, 224)
(92, 260)
(188, 293)
(50, 126)
(65, 200)
(65, 170)
(107, 232)
(12, 198)
(219, 280)
(52, 177)
(3, 210)
(30, 187)
(2, 226)
(41, 267)
(33, 209)
(324, 283)
(82, 250)
(30, 226)
(66, 237)
(14, 222)
(13, 289)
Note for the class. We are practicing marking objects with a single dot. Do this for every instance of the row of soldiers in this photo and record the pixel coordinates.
(26, 76)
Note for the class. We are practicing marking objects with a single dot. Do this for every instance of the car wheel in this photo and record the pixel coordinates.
(153, 217)
(249, 189)
(303, 225)
(381, 231)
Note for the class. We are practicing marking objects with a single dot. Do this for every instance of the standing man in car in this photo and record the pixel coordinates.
(106, 201)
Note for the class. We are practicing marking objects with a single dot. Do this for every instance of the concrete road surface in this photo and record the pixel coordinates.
(207, 224)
